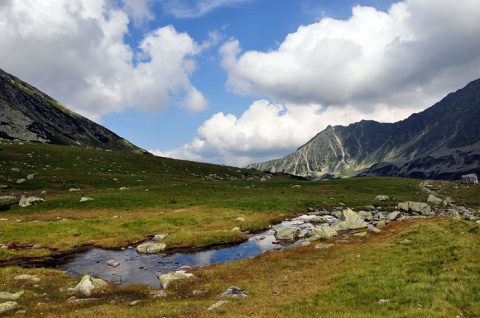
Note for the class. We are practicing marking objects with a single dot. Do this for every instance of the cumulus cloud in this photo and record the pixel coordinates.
(197, 8)
(75, 50)
(268, 130)
(409, 55)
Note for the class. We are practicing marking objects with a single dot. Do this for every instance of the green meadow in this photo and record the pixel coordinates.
(437, 274)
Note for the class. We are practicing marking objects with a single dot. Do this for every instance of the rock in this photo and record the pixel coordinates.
(20, 181)
(234, 292)
(84, 199)
(123, 188)
(416, 207)
(405, 241)
(10, 296)
(151, 247)
(287, 234)
(240, 219)
(383, 301)
(112, 263)
(6, 201)
(27, 277)
(381, 198)
(88, 284)
(9, 305)
(366, 216)
(470, 178)
(198, 292)
(158, 293)
(352, 221)
(218, 304)
(27, 201)
(393, 215)
(434, 200)
(165, 279)
(74, 189)
(133, 303)
(323, 245)
(159, 237)
(31, 176)
(305, 243)
(236, 229)
(322, 232)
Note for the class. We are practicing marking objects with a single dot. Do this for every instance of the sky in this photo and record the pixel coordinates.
(240, 81)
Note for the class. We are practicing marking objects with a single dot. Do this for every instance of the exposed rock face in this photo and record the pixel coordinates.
(151, 247)
(442, 142)
(27, 114)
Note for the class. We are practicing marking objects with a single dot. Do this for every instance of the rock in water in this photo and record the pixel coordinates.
(322, 232)
(87, 284)
(352, 221)
(287, 234)
(151, 247)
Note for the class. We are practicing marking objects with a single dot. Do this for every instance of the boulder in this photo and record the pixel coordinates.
(151, 247)
(416, 207)
(470, 178)
(11, 296)
(366, 216)
(287, 234)
(393, 215)
(165, 279)
(27, 201)
(352, 221)
(6, 201)
(9, 305)
(84, 199)
(434, 200)
(87, 285)
(382, 198)
(322, 232)
(159, 237)
(234, 292)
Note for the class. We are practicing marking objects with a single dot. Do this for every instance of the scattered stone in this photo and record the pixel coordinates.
(383, 301)
(88, 284)
(165, 279)
(133, 303)
(10, 296)
(382, 197)
(234, 292)
(393, 215)
(158, 293)
(84, 199)
(416, 207)
(366, 216)
(434, 200)
(74, 189)
(31, 176)
(323, 245)
(9, 305)
(405, 241)
(27, 277)
(27, 201)
(471, 178)
(199, 292)
(123, 188)
(20, 181)
(15, 170)
(159, 237)
(6, 201)
(287, 234)
(151, 247)
(305, 243)
(297, 186)
(352, 221)
(236, 229)
(112, 263)
(218, 304)
(322, 232)
(240, 219)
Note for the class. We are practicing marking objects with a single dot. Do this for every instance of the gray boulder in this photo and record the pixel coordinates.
(351, 221)
(151, 247)
(322, 232)
(9, 305)
(470, 178)
(11, 296)
(6, 201)
(234, 292)
(416, 207)
(27, 201)
(287, 234)
(366, 216)
(87, 285)
(434, 200)
(381, 198)
(166, 279)
(393, 215)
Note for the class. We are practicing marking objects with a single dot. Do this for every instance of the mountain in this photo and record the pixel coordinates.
(27, 114)
(442, 142)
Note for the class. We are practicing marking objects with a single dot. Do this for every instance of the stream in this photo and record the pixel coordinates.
(140, 268)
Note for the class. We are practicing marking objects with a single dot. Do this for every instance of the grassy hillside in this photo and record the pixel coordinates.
(136, 196)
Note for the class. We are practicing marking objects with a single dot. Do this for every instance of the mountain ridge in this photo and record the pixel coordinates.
(441, 142)
(29, 115)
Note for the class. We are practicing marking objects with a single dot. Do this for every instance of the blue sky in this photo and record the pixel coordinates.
(240, 81)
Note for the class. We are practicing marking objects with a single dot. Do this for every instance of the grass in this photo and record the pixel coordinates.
(435, 275)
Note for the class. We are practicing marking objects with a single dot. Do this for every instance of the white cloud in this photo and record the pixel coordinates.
(197, 8)
(410, 55)
(266, 131)
(76, 52)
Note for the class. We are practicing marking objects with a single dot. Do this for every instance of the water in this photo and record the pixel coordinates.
(143, 269)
